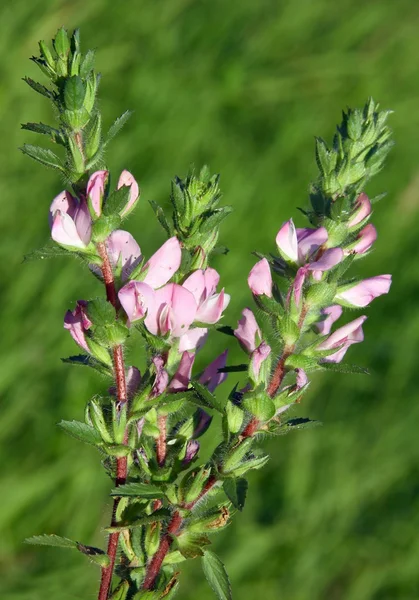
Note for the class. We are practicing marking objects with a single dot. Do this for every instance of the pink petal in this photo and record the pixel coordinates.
(260, 279)
(309, 241)
(183, 308)
(64, 232)
(192, 449)
(195, 283)
(182, 377)
(364, 292)
(248, 332)
(329, 259)
(95, 190)
(123, 247)
(211, 377)
(296, 288)
(286, 240)
(193, 339)
(361, 211)
(344, 336)
(65, 203)
(366, 237)
(332, 314)
(126, 178)
(161, 379)
(163, 264)
(77, 322)
(211, 310)
(258, 357)
(83, 222)
(301, 378)
(137, 299)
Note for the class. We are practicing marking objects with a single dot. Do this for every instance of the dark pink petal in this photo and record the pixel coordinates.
(203, 421)
(260, 279)
(192, 449)
(137, 299)
(364, 292)
(329, 259)
(162, 377)
(332, 314)
(126, 178)
(123, 249)
(365, 239)
(182, 377)
(296, 288)
(248, 332)
(211, 377)
(163, 264)
(309, 241)
(361, 211)
(77, 323)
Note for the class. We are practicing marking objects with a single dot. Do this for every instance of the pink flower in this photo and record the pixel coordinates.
(95, 190)
(329, 259)
(362, 210)
(161, 379)
(77, 323)
(193, 339)
(123, 250)
(257, 358)
(364, 240)
(362, 293)
(70, 221)
(126, 179)
(202, 422)
(341, 339)
(296, 288)
(182, 377)
(260, 279)
(163, 264)
(299, 245)
(137, 299)
(202, 285)
(248, 332)
(332, 314)
(173, 311)
(192, 449)
(211, 376)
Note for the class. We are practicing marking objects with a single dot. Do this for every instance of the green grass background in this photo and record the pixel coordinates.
(245, 86)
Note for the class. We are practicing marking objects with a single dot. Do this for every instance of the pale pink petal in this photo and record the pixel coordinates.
(162, 377)
(123, 248)
(83, 222)
(77, 322)
(342, 338)
(64, 232)
(126, 178)
(95, 190)
(248, 332)
(163, 264)
(211, 377)
(332, 314)
(137, 299)
(329, 259)
(193, 339)
(212, 279)
(309, 241)
(286, 241)
(361, 211)
(195, 283)
(364, 292)
(301, 378)
(182, 308)
(211, 310)
(65, 203)
(182, 377)
(365, 239)
(258, 357)
(260, 279)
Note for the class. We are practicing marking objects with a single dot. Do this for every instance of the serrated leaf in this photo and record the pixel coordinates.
(158, 211)
(216, 575)
(50, 250)
(95, 555)
(38, 87)
(81, 431)
(236, 490)
(206, 395)
(117, 201)
(43, 155)
(301, 423)
(51, 540)
(85, 360)
(157, 516)
(343, 368)
(53, 133)
(117, 126)
(138, 490)
(234, 369)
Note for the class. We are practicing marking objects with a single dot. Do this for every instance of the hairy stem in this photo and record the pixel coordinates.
(121, 389)
(161, 448)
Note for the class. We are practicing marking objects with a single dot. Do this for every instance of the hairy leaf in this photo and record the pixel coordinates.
(81, 431)
(216, 575)
(138, 490)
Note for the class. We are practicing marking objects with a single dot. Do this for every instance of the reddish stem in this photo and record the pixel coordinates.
(175, 524)
(121, 389)
(161, 448)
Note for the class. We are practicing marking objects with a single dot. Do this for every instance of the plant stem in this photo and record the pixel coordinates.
(175, 524)
(161, 448)
(121, 389)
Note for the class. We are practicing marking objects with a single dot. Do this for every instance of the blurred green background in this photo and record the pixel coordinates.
(244, 86)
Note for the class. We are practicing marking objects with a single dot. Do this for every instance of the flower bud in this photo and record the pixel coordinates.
(260, 279)
(362, 293)
(95, 192)
(126, 179)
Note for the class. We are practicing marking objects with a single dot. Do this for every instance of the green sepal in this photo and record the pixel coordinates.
(236, 455)
(87, 64)
(120, 593)
(61, 43)
(82, 431)
(158, 515)
(320, 294)
(204, 394)
(93, 136)
(85, 360)
(95, 555)
(236, 490)
(216, 575)
(47, 55)
(298, 361)
(104, 226)
(193, 483)
(234, 416)
(191, 544)
(43, 155)
(211, 520)
(118, 450)
(117, 201)
(260, 405)
(249, 464)
(138, 490)
(51, 540)
(99, 422)
(117, 126)
(119, 421)
(147, 595)
(152, 538)
(173, 558)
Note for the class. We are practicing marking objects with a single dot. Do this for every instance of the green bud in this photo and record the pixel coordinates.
(62, 43)
(235, 417)
(193, 483)
(98, 421)
(152, 538)
(119, 421)
(235, 456)
(260, 406)
(46, 55)
(74, 93)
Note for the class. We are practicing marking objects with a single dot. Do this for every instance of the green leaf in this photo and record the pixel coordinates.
(252, 463)
(117, 126)
(74, 93)
(85, 360)
(203, 393)
(117, 201)
(51, 540)
(157, 516)
(81, 431)
(234, 369)
(216, 575)
(301, 423)
(50, 250)
(226, 329)
(38, 87)
(138, 490)
(120, 593)
(87, 64)
(236, 490)
(95, 555)
(43, 155)
(158, 211)
(53, 133)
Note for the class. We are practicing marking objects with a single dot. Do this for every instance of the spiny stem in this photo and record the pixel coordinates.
(121, 389)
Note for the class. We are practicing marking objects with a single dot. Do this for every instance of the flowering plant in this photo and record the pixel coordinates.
(148, 425)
